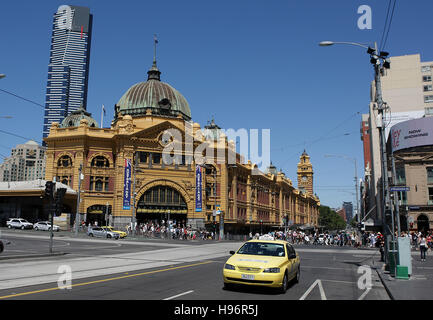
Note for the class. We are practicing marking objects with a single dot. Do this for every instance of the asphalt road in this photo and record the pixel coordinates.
(29, 242)
(326, 273)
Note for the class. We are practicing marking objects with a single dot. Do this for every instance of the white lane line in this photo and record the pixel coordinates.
(329, 268)
(364, 294)
(322, 292)
(179, 295)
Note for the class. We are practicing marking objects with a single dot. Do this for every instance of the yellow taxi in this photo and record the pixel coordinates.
(270, 263)
(122, 234)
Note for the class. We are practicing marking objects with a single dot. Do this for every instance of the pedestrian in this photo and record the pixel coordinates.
(423, 246)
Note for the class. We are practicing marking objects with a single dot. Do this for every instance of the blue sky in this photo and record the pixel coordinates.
(250, 64)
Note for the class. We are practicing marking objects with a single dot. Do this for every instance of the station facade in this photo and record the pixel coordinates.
(125, 175)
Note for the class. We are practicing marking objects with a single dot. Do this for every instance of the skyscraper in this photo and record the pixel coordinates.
(68, 69)
(348, 207)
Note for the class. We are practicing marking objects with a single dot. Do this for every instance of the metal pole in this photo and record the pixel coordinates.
(52, 197)
(385, 193)
(77, 214)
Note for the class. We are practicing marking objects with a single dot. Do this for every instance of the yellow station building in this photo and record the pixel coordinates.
(133, 146)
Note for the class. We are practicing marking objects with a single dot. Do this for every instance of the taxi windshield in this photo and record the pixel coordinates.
(262, 249)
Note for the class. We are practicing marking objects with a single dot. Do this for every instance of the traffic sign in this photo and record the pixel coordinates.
(399, 189)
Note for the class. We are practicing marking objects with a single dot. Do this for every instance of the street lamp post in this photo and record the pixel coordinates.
(379, 61)
(77, 214)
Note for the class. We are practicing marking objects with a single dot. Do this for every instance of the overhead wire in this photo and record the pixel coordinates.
(18, 136)
(389, 26)
(20, 97)
(385, 25)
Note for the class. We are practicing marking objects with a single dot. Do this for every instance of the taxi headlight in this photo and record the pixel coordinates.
(272, 270)
(229, 266)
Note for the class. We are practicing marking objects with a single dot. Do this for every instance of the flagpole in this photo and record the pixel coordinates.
(102, 117)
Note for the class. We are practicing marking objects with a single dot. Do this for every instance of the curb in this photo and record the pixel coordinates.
(384, 285)
(33, 256)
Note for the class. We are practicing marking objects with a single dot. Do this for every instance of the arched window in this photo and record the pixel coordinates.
(99, 184)
(100, 162)
(64, 161)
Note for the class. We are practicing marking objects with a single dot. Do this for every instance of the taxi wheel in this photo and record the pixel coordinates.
(298, 275)
(285, 284)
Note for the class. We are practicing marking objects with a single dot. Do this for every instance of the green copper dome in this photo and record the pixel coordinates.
(156, 95)
(74, 118)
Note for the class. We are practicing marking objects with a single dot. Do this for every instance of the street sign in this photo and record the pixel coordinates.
(399, 189)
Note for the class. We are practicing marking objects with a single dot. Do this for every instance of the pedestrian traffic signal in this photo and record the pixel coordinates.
(49, 189)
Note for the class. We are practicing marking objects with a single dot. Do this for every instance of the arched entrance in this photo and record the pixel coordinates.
(99, 214)
(162, 203)
(423, 223)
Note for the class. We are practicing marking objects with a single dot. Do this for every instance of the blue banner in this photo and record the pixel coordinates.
(198, 188)
(127, 186)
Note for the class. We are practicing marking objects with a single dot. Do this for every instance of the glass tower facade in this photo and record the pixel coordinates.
(68, 69)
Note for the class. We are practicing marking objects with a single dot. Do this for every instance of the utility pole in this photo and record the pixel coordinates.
(381, 107)
(77, 214)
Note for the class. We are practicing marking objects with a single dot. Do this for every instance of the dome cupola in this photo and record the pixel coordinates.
(161, 98)
(74, 118)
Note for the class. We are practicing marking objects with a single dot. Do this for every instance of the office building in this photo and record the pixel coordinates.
(27, 162)
(407, 91)
(348, 207)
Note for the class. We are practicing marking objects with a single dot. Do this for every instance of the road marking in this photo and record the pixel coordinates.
(364, 294)
(330, 268)
(179, 295)
(339, 281)
(322, 292)
(106, 280)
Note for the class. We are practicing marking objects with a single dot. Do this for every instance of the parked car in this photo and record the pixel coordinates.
(122, 234)
(8, 222)
(45, 226)
(102, 233)
(20, 223)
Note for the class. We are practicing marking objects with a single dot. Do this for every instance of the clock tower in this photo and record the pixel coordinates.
(305, 173)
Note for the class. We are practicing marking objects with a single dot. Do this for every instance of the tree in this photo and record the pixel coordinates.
(330, 219)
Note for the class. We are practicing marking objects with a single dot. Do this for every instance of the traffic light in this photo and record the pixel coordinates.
(59, 201)
(49, 189)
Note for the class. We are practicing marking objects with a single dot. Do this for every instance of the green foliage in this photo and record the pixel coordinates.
(330, 219)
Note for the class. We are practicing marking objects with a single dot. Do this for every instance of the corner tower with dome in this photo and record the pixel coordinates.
(126, 179)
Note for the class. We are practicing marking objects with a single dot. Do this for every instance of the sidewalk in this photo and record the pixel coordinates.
(420, 283)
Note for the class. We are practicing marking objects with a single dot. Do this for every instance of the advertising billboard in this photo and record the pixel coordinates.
(198, 189)
(412, 133)
(127, 186)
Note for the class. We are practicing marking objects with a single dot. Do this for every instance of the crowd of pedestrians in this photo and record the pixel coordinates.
(153, 229)
(179, 231)
(342, 238)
